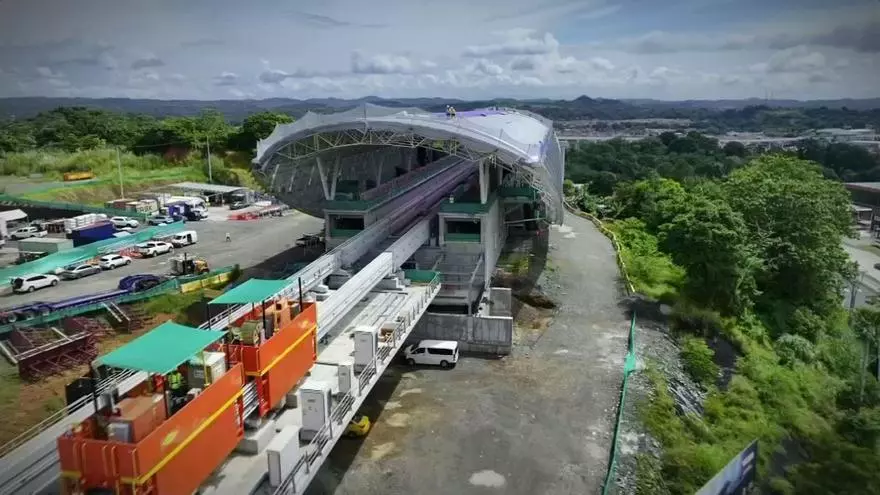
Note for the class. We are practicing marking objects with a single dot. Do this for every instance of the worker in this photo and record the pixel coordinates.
(175, 383)
(228, 237)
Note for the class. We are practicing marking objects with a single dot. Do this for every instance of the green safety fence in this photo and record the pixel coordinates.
(420, 276)
(631, 359)
(164, 287)
(49, 263)
(60, 205)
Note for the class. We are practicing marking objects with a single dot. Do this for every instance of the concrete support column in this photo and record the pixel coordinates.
(441, 240)
(379, 166)
(337, 169)
(484, 181)
(322, 173)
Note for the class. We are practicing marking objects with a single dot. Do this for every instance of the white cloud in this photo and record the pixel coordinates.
(516, 42)
(226, 78)
(147, 61)
(380, 64)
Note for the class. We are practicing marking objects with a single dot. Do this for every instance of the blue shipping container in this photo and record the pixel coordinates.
(92, 233)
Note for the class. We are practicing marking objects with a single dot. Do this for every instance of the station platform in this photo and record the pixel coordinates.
(398, 310)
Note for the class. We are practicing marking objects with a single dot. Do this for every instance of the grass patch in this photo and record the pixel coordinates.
(139, 172)
(173, 304)
(699, 360)
(652, 272)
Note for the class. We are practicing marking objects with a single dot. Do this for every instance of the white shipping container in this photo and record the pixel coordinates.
(283, 454)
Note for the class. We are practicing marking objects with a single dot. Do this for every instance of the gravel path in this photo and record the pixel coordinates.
(536, 422)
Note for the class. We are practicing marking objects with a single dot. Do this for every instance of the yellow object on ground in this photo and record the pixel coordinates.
(358, 426)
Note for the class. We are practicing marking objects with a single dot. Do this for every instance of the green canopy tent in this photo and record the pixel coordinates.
(161, 350)
(252, 292)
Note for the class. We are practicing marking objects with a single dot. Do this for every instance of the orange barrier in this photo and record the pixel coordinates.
(173, 459)
(282, 360)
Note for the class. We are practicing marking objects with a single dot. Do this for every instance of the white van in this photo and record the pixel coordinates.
(184, 238)
(443, 353)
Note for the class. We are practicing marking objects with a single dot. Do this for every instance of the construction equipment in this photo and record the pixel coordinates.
(187, 264)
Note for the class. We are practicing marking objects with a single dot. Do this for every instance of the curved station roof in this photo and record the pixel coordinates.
(520, 141)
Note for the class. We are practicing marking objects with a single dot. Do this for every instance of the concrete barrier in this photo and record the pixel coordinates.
(478, 334)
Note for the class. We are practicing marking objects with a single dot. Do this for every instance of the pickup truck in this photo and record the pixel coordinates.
(28, 232)
(154, 248)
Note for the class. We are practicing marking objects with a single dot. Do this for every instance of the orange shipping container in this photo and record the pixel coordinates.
(174, 459)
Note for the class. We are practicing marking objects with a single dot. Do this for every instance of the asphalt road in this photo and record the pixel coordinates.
(536, 422)
(252, 242)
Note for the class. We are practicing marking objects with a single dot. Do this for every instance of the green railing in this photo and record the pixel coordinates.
(421, 276)
(158, 290)
(462, 237)
(337, 233)
(518, 192)
(60, 205)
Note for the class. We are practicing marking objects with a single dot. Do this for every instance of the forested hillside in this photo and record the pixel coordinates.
(747, 250)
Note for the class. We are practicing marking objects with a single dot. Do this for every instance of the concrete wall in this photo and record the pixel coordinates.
(480, 334)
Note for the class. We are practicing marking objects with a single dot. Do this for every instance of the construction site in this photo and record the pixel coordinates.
(417, 209)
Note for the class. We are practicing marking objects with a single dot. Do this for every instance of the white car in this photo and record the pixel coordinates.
(443, 353)
(154, 248)
(28, 232)
(123, 222)
(112, 261)
(30, 283)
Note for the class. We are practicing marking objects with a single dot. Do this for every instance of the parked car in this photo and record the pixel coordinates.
(238, 205)
(32, 282)
(112, 261)
(28, 232)
(160, 220)
(184, 238)
(443, 353)
(74, 272)
(154, 248)
(123, 222)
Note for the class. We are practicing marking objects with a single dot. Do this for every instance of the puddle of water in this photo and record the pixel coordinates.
(398, 420)
(487, 478)
(382, 450)
(410, 391)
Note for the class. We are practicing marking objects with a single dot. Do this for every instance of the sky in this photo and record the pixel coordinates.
(470, 49)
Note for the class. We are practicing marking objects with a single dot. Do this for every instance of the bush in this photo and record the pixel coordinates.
(699, 360)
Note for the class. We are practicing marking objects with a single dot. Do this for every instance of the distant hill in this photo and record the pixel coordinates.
(581, 107)
(775, 117)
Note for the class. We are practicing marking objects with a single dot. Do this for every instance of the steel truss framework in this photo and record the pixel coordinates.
(296, 153)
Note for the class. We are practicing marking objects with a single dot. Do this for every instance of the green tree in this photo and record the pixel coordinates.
(796, 219)
(711, 242)
(654, 201)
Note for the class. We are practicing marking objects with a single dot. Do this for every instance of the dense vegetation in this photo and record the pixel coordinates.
(602, 165)
(151, 151)
(747, 250)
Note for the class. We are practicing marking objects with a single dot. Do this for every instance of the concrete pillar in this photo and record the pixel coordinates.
(442, 232)
(322, 173)
(379, 166)
(337, 168)
(484, 181)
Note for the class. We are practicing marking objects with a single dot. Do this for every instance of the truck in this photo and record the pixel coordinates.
(185, 210)
(97, 231)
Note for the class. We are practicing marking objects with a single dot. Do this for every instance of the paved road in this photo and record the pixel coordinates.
(536, 422)
(252, 243)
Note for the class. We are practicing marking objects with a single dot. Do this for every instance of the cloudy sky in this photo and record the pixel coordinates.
(227, 49)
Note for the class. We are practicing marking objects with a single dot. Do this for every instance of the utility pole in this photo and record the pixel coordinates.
(210, 172)
(119, 169)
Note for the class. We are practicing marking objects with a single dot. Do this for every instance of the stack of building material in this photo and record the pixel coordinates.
(44, 245)
(81, 221)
